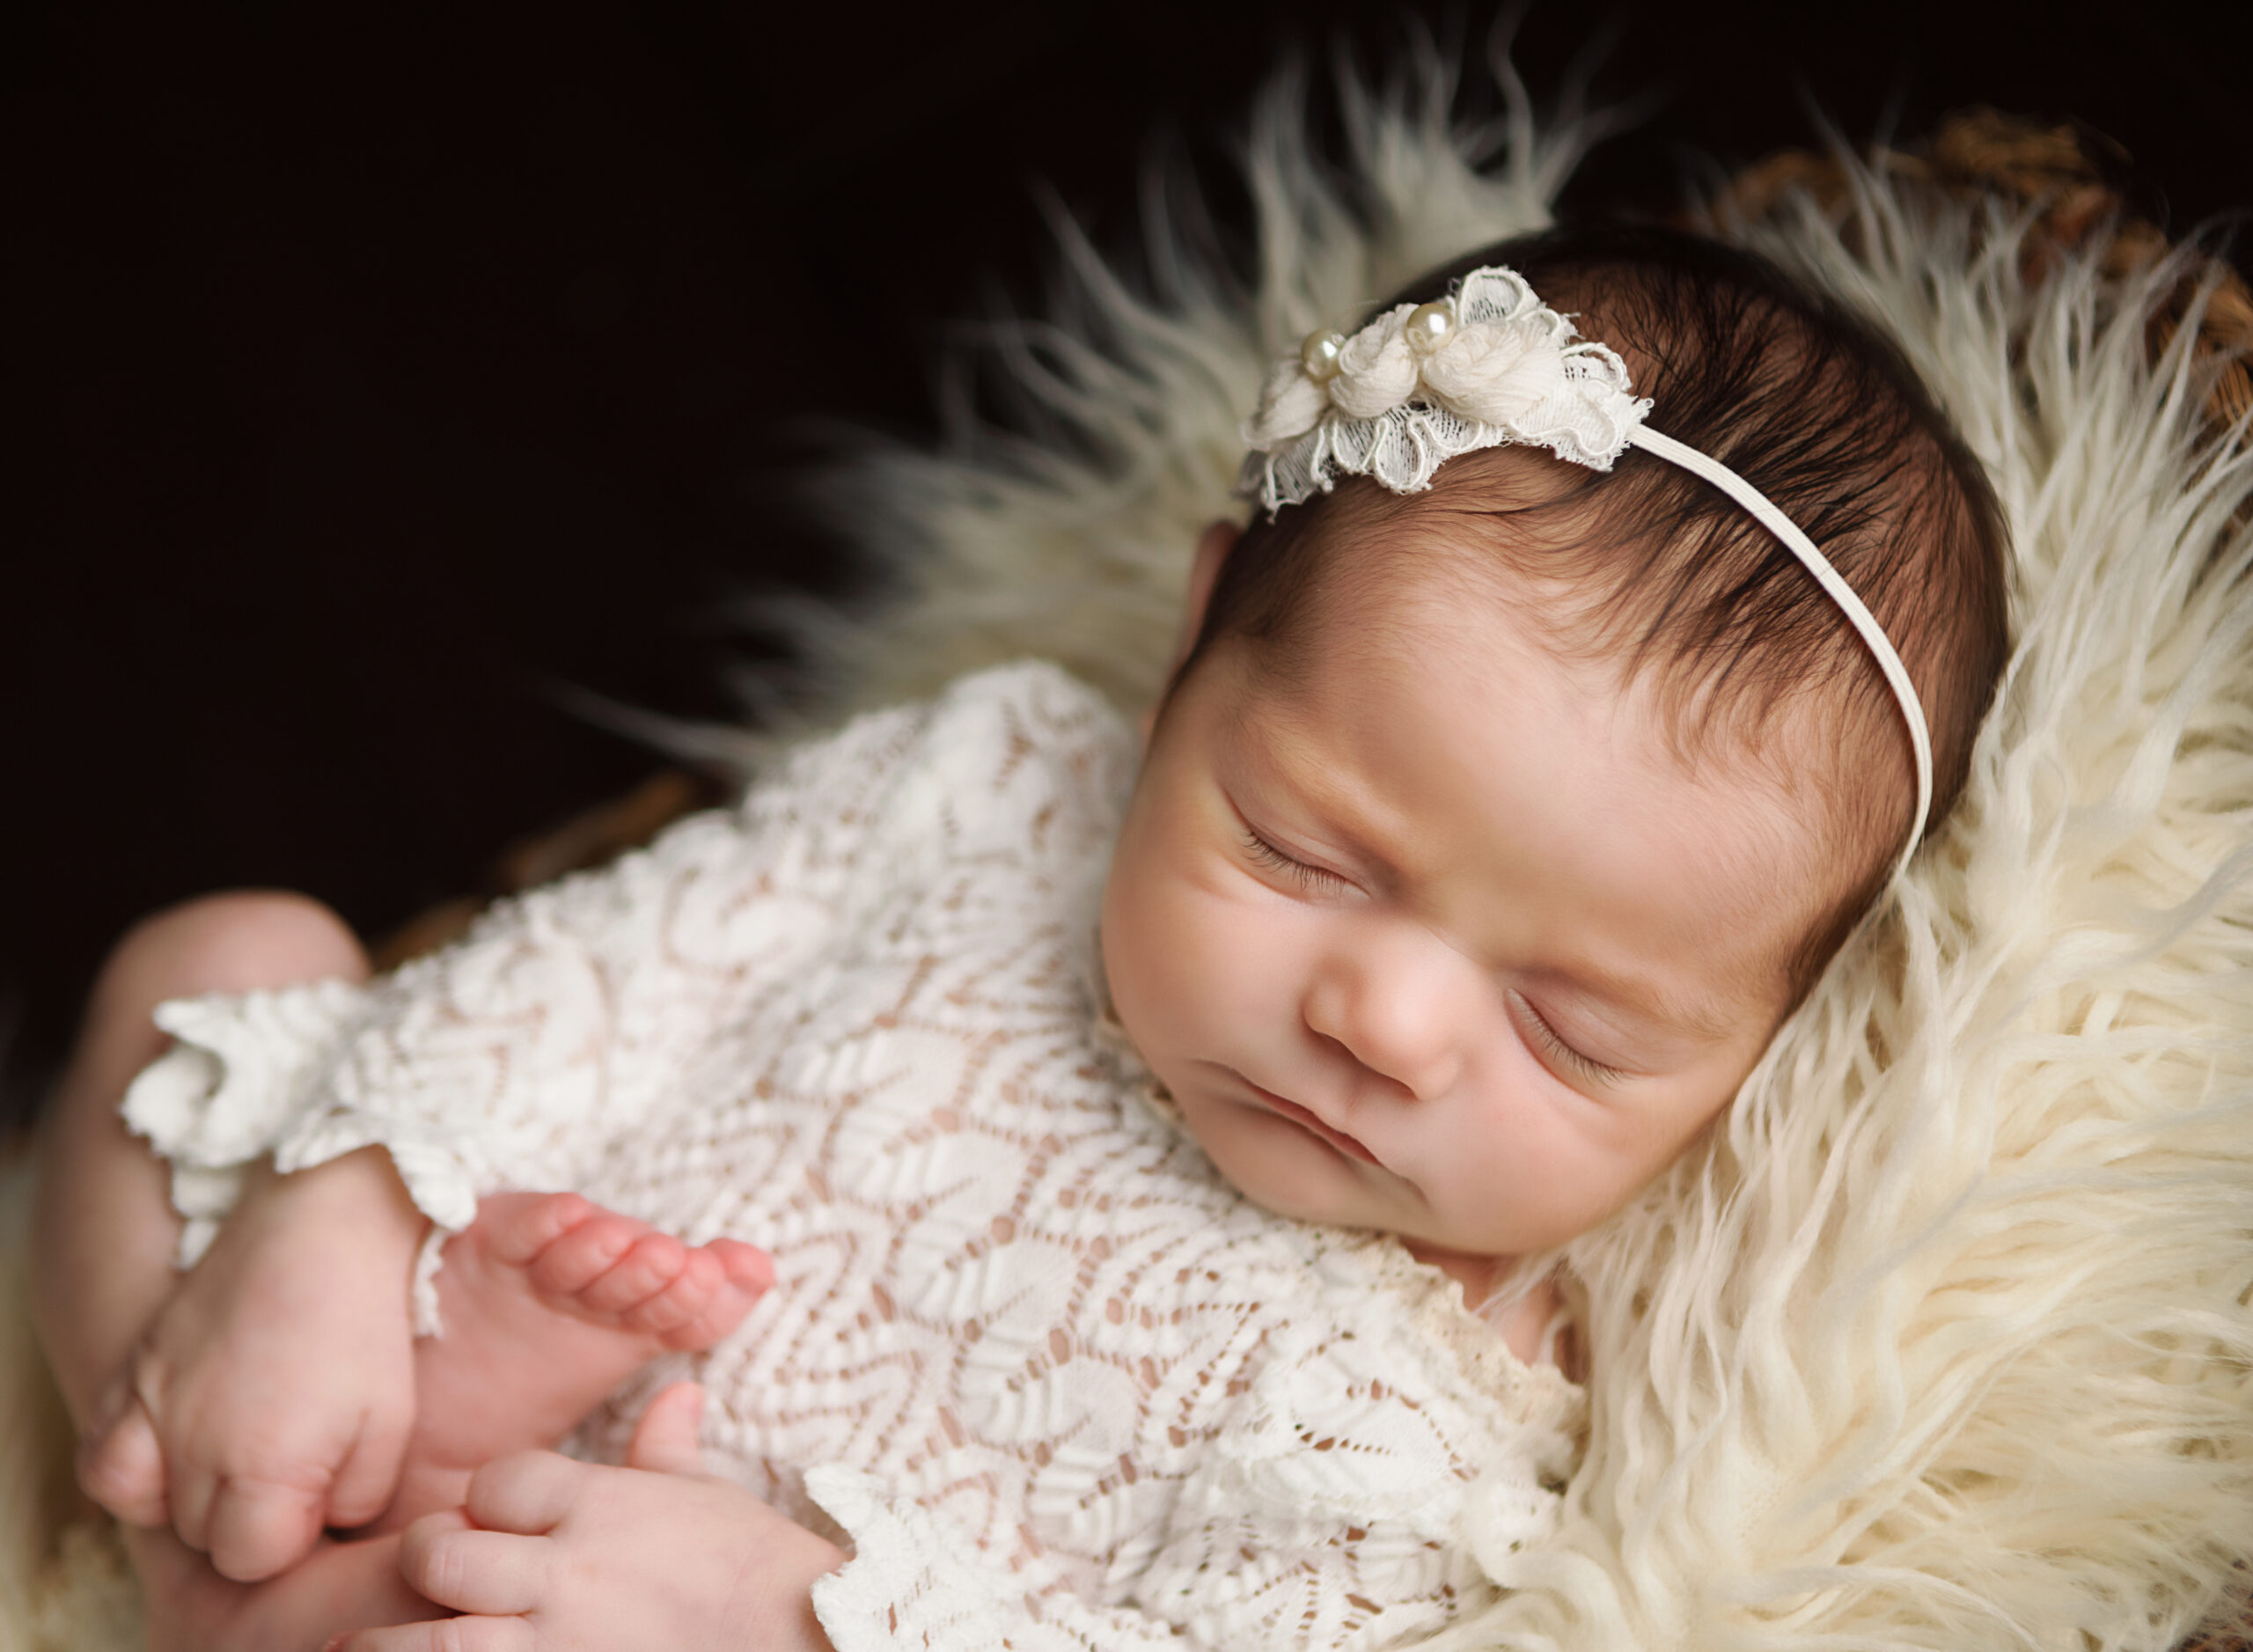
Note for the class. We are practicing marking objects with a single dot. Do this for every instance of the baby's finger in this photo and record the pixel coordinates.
(369, 1475)
(498, 1573)
(257, 1527)
(525, 1493)
(452, 1635)
(123, 1469)
(189, 1492)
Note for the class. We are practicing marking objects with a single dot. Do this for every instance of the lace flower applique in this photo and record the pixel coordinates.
(1489, 366)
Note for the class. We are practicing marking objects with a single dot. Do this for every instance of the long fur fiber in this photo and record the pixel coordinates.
(1942, 1339)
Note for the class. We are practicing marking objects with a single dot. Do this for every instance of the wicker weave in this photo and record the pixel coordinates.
(2051, 172)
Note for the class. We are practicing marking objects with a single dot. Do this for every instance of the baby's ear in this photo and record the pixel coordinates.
(1213, 548)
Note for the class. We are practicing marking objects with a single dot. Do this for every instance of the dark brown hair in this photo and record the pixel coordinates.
(1821, 413)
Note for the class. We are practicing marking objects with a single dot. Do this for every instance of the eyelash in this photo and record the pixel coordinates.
(1545, 1035)
(1268, 855)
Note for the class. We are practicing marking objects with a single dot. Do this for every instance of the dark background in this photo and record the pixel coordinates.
(378, 370)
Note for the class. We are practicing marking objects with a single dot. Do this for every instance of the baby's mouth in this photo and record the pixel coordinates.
(1307, 1121)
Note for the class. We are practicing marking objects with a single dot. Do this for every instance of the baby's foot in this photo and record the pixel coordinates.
(549, 1302)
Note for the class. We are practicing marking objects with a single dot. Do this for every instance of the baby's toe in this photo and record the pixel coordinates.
(749, 1269)
(742, 1275)
(585, 1253)
(682, 1302)
(653, 1262)
(520, 1226)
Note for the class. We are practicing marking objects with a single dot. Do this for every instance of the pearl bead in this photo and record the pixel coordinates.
(1429, 325)
(1319, 354)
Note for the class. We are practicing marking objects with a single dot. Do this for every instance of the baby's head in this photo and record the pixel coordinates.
(1487, 832)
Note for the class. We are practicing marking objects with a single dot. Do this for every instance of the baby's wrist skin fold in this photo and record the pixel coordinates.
(361, 1188)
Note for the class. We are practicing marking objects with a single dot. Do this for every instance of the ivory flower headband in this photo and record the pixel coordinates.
(1491, 365)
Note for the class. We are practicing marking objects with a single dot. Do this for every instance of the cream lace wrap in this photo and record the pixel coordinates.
(1056, 1383)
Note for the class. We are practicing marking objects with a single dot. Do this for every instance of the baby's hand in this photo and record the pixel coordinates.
(274, 1392)
(552, 1555)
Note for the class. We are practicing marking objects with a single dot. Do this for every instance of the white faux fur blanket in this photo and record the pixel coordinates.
(1943, 1340)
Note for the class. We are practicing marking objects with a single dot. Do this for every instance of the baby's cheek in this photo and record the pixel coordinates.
(1549, 1176)
(1162, 940)
(1129, 920)
(1154, 962)
(1604, 1170)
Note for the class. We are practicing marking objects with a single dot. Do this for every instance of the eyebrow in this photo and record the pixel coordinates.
(1644, 998)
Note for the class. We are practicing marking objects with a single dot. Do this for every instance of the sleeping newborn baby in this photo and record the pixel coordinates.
(1097, 1187)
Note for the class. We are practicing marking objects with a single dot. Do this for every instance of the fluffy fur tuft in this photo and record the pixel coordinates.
(64, 1582)
(1069, 544)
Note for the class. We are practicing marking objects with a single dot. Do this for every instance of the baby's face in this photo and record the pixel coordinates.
(1435, 935)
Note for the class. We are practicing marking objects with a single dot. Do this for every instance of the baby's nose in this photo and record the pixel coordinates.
(1393, 1010)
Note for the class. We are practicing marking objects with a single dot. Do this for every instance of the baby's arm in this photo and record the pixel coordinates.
(121, 1329)
(274, 1392)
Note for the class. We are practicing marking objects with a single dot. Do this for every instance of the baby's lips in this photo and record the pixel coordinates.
(1308, 1120)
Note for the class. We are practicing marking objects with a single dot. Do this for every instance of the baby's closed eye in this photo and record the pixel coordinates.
(1551, 1044)
(1276, 860)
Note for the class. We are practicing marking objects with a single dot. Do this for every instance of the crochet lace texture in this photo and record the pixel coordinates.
(1052, 1379)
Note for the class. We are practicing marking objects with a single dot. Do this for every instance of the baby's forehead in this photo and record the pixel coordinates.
(1507, 554)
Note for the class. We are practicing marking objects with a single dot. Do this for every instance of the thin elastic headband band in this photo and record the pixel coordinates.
(1491, 365)
(1763, 511)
